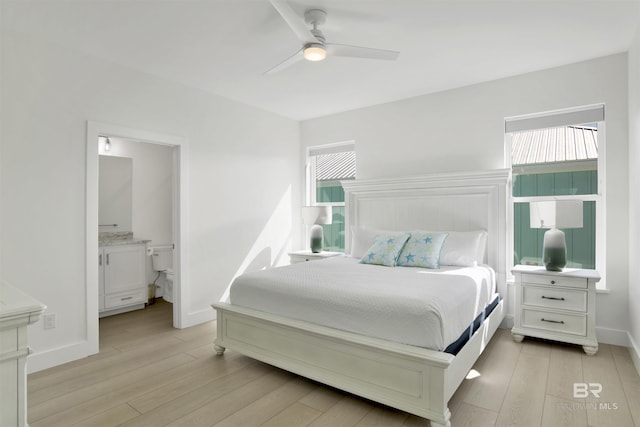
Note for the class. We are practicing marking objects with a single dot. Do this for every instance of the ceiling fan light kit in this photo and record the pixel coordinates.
(314, 46)
(314, 52)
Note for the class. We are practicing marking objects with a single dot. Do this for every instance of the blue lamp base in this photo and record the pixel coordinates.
(554, 253)
(316, 239)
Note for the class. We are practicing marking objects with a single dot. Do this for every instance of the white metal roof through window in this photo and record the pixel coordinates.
(336, 166)
(554, 145)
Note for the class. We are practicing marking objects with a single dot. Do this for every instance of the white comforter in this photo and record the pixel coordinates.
(415, 306)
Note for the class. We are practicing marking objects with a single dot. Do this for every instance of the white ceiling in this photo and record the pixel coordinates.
(225, 46)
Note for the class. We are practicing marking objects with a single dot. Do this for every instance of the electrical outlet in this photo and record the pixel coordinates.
(49, 321)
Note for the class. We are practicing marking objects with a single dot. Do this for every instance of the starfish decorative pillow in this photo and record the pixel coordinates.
(385, 249)
(422, 249)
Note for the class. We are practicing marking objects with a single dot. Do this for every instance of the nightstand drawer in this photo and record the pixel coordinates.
(555, 322)
(563, 299)
(555, 280)
(304, 256)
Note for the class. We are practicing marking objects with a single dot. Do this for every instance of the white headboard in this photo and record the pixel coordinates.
(460, 201)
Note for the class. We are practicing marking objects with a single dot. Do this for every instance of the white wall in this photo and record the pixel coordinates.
(243, 179)
(463, 129)
(634, 196)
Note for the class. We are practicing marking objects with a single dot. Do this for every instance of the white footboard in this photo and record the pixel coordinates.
(416, 380)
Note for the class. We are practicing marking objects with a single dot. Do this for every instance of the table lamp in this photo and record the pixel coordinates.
(555, 214)
(315, 216)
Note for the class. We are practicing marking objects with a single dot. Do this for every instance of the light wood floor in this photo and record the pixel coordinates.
(149, 374)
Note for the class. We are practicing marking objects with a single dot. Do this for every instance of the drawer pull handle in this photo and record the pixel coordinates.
(553, 321)
(126, 298)
(553, 298)
(553, 282)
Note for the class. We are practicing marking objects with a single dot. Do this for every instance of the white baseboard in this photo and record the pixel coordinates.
(46, 359)
(57, 356)
(507, 322)
(634, 351)
(612, 336)
(604, 335)
(198, 317)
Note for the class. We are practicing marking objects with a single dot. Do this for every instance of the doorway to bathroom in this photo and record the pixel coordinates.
(144, 193)
(135, 217)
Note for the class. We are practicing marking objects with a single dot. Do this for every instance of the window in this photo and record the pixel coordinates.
(326, 167)
(558, 156)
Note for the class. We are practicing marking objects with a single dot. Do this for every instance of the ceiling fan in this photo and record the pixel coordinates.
(314, 45)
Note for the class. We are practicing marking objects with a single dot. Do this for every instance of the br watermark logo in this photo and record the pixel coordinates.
(584, 390)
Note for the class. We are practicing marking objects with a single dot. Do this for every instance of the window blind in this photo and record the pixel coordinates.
(590, 114)
(332, 148)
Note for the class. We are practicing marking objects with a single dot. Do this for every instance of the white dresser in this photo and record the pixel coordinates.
(558, 306)
(17, 310)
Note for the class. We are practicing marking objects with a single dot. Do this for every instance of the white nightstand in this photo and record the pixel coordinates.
(559, 306)
(302, 256)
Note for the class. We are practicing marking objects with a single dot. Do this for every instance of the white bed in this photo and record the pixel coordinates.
(427, 308)
(409, 377)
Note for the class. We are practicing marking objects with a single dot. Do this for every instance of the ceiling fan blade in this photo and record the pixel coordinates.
(295, 22)
(361, 52)
(286, 63)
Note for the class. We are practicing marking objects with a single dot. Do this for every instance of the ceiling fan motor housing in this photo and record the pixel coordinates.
(315, 17)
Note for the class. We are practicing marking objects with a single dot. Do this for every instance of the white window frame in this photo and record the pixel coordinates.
(566, 117)
(310, 172)
(310, 169)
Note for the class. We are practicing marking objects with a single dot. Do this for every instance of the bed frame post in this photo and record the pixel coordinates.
(220, 332)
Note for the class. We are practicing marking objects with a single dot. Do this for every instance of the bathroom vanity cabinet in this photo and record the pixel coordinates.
(122, 278)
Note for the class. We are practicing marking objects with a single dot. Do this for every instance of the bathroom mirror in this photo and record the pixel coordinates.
(115, 193)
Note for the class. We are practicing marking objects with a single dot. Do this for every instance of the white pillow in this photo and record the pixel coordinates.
(464, 248)
(362, 239)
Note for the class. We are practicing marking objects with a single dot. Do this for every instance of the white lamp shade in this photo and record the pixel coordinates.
(317, 214)
(556, 214)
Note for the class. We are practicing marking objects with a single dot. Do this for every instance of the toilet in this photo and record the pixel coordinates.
(162, 261)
